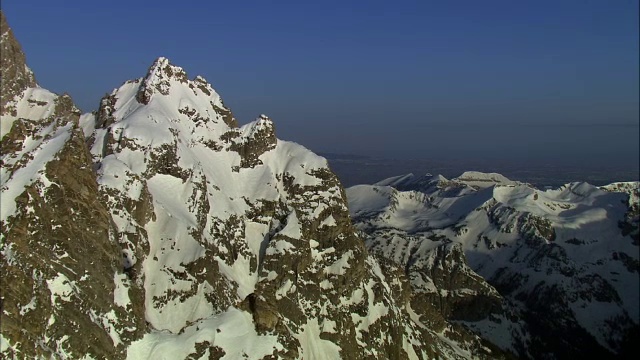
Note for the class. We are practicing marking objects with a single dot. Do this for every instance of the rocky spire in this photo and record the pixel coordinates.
(158, 78)
(16, 76)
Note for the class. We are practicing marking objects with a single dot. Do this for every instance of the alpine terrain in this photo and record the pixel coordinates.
(541, 274)
(156, 227)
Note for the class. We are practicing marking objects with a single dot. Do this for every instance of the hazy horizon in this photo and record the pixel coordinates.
(532, 81)
(557, 143)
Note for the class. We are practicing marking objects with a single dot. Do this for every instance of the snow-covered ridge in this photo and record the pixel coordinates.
(483, 179)
(467, 182)
(40, 123)
(262, 124)
(162, 76)
(33, 104)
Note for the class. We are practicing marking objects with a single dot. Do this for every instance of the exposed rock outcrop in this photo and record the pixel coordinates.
(15, 75)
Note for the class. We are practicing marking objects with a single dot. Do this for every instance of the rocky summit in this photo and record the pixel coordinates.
(156, 227)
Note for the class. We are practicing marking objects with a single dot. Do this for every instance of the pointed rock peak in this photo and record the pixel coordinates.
(162, 74)
(158, 79)
(583, 189)
(16, 76)
(263, 121)
(163, 69)
(262, 125)
(256, 138)
(4, 26)
(170, 90)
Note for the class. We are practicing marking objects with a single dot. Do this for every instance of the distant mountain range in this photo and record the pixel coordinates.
(357, 169)
(541, 273)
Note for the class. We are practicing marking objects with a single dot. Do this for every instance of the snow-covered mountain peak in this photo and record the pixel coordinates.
(167, 85)
(164, 108)
(211, 216)
(262, 127)
(158, 79)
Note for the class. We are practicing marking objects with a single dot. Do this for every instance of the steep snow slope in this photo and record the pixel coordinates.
(562, 252)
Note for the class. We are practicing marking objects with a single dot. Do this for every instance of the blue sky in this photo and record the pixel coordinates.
(388, 76)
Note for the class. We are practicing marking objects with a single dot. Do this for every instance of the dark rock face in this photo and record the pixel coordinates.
(444, 292)
(158, 80)
(62, 265)
(15, 75)
(466, 295)
(255, 139)
(59, 258)
(630, 225)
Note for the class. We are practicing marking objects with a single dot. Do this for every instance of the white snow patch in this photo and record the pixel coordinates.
(30, 306)
(293, 229)
(32, 104)
(233, 331)
(329, 326)
(255, 235)
(108, 321)
(121, 291)
(240, 273)
(313, 347)
(328, 221)
(408, 348)
(356, 297)
(415, 317)
(4, 344)
(279, 247)
(374, 313)
(326, 284)
(61, 288)
(341, 265)
(87, 123)
(285, 289)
